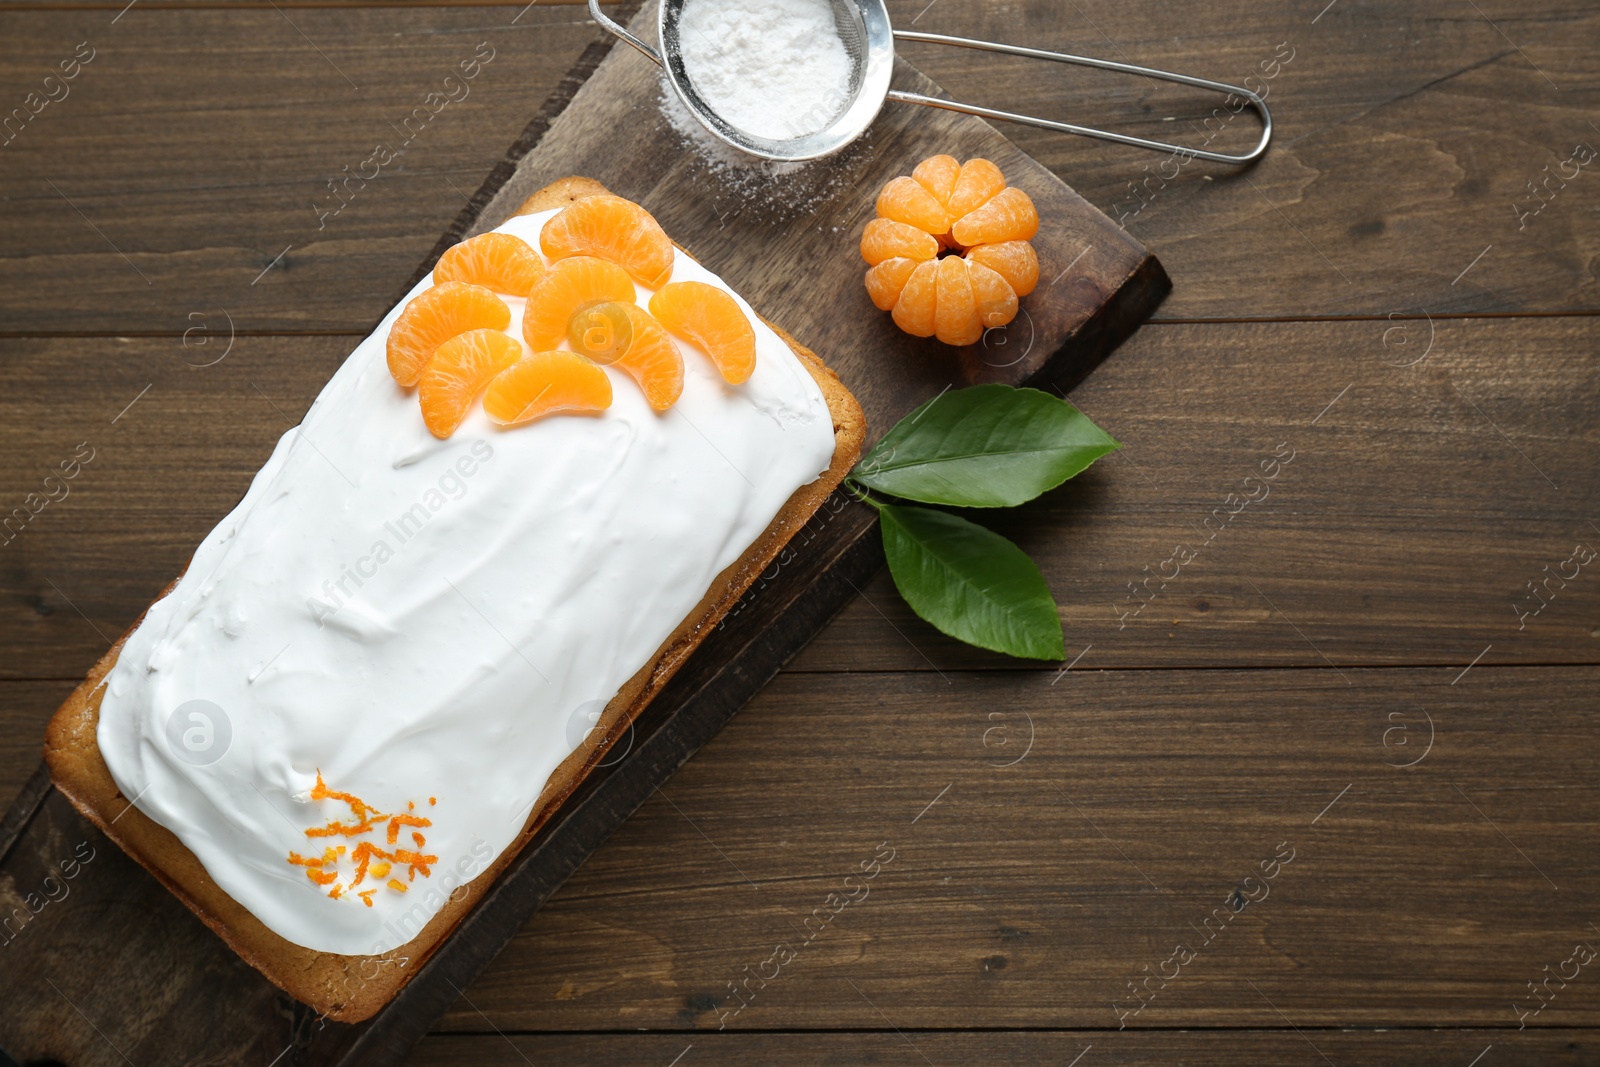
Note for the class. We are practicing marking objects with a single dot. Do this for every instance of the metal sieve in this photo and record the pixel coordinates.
(869, 39)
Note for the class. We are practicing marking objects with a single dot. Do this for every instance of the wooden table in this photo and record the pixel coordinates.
(1319, 784)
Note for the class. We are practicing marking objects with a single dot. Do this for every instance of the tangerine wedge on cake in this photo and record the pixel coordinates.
(432, 318)
(713, 320)
(566, 287)
(458, 373)
(496, 261)
(546, 382)
(625, 337)
(615, 229)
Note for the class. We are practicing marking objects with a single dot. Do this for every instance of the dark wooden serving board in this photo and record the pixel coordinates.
(100, 965)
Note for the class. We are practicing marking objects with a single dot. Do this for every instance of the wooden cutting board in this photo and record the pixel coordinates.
(148, 982)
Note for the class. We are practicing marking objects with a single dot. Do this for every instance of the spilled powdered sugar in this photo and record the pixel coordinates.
(737, 183)
(773, 68)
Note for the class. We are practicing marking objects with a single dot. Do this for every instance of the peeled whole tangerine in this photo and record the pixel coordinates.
(950, 252)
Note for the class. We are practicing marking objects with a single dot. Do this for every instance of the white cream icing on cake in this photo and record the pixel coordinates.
(416, 618)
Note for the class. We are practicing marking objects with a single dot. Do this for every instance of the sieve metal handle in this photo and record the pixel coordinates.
(1255, 99)
(612, 26)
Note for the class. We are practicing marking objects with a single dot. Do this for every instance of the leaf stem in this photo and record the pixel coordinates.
(857, 490)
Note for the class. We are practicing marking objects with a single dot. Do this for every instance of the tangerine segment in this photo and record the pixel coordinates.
(653, 360)
(1008, 216)
(955, 315)
(543, 384)
(566, 286)
(433, 317)
(979, 182)
(455, 376)
(886, 279)
(996, 300)
(1015, 261)
(615, 229)
(914, 312)
(601, 331)
(938, 175)
(711, 319)
(885, 239)
(905, 200)
(496, 261)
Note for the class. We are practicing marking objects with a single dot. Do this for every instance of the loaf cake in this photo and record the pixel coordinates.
(399, 654)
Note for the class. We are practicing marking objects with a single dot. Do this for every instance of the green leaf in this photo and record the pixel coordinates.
(970, 583)
(990, 446)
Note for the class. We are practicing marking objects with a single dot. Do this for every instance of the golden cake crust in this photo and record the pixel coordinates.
(352, 988)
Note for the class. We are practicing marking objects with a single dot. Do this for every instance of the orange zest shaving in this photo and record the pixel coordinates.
(397, 821)
(365, 857)
(320, 791)
(340, 829)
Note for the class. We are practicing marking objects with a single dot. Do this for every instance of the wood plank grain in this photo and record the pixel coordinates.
(1280, 1048)
(1032, 895)
(1403, 532)
(25, 707)
(203, 156)
(198, 142)
(1420, 503)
